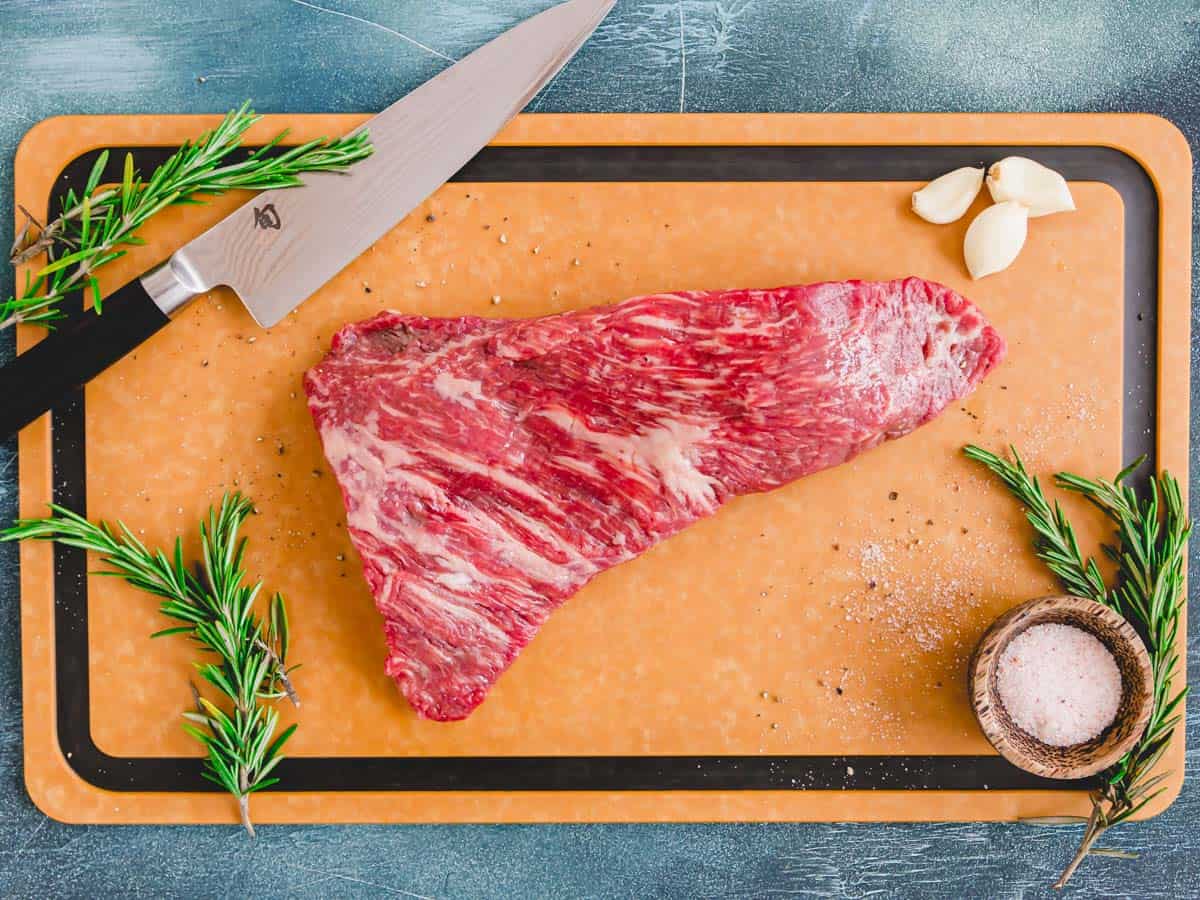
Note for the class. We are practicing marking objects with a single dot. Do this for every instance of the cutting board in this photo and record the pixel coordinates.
(799, 656)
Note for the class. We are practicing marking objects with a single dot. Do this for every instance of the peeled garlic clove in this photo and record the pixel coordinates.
(1030, 183)
(945, 199)
(995, 238)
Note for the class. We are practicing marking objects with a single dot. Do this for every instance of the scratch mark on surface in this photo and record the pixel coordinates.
(726, 24)
(216, 76)
(297, 888)
(542, 94)
(383, 887)
(835, 101)
(861, 18)
(12, 863)
(29, 840)
(682, 61)
(392, 31)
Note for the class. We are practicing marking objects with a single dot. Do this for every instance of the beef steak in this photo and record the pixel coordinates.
(491, 467)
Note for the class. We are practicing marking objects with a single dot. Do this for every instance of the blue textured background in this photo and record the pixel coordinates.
(109, 56)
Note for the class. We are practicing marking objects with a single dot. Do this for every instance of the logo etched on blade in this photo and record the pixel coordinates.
(267, 217)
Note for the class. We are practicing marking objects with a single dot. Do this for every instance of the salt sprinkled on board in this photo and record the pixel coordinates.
(872, 554)
(1059, 683)
(1069, 411)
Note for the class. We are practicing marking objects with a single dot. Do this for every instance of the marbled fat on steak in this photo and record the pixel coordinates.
(492, 467)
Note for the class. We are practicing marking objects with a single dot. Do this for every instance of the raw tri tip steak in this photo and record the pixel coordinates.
(491, 467)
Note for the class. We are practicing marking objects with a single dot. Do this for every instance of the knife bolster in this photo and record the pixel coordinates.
(170, 292)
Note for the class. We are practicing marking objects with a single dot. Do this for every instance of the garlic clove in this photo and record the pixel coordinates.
(995, 238)
(1030, 183)
(946, 198)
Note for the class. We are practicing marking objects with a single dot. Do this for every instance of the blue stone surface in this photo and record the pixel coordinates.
(150, 56)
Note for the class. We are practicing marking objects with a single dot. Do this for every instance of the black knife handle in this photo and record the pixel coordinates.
(74, 353)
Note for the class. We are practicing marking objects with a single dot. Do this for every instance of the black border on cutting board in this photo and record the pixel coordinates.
(623, 773)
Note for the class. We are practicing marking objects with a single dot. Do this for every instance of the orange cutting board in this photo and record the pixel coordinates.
(799, 656)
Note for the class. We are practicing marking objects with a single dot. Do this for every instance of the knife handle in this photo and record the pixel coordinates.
(82, 348)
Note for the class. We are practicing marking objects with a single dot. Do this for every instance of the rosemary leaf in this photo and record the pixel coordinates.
(216, 607)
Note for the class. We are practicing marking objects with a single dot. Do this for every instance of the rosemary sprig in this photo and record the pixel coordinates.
(216, 607)
(1152, 532)
(94, 224)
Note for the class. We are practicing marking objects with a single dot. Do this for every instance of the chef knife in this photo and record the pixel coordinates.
(280, 247)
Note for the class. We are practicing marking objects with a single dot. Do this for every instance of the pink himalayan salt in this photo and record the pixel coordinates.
(1060, 684)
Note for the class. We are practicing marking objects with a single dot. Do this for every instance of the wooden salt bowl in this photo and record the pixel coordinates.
(1077, 760)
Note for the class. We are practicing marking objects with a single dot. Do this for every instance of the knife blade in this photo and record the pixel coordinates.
(281, 246)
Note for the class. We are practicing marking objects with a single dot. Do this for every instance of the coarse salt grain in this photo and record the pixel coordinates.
(1059, 683)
